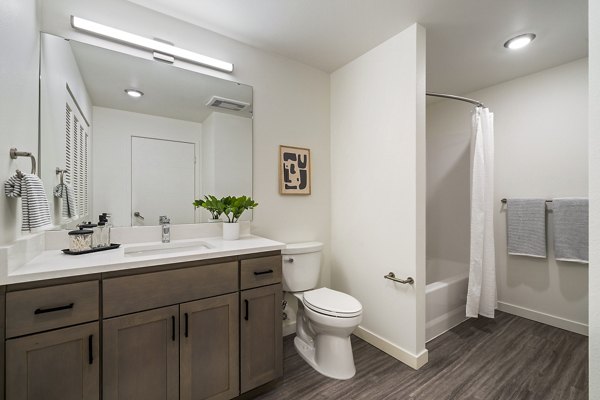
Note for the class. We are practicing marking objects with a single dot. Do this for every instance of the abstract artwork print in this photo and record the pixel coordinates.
(294, 170)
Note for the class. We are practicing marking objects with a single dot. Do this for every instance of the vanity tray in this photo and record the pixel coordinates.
(76, 253)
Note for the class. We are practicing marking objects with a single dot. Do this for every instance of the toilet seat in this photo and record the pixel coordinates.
(332, 303)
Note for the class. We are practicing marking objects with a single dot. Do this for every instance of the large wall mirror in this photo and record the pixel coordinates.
(136, 155)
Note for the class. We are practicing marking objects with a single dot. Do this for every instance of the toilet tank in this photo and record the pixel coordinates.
(301, 266)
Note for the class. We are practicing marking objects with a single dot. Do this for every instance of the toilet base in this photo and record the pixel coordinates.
(338, 364)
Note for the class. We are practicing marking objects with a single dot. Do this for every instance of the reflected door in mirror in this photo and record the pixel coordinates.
(162, 180)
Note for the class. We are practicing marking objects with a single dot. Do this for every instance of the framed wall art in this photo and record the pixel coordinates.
(294, 170)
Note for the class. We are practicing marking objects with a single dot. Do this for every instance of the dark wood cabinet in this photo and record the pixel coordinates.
(141, 356)
(58, 365)
(209, 343)
(261, 358)
(163, 333)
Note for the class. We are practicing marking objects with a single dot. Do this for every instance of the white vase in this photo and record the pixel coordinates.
(231, 230)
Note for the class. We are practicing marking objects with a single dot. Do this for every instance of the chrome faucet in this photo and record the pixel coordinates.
(165, 225)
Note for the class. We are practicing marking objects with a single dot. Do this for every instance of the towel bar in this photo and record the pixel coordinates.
(392, 277)
(14, 153)
(504, 201)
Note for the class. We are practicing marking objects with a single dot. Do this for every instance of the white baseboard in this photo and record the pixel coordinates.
(544, 318)
(413, 361)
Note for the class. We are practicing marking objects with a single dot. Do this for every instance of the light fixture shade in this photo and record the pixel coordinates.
(134, 93)
(519, 41)
(148, 44)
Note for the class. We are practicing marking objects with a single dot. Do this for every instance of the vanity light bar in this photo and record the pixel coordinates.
(149, 44)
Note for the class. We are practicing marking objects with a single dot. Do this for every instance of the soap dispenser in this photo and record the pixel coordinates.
(104, 228)
(165, 225)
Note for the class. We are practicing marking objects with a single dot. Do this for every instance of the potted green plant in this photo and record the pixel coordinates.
(233, 208)
(213, 205)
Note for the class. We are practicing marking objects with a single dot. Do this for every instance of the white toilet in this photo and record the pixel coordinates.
(325, 318)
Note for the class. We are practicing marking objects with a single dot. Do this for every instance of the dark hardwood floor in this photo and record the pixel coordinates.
(482, 359)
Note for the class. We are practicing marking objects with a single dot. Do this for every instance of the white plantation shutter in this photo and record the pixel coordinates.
(68, 143)
(77, 158)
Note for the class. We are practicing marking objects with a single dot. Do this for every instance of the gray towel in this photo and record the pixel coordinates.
(36, 211)
(571, 229)
(526, 227)
(65, 192)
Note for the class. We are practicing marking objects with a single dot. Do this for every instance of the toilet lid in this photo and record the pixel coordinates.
(330, 302)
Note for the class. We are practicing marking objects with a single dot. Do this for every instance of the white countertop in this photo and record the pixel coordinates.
(52, 264)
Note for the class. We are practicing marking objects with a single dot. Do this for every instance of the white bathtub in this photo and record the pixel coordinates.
(446, 296)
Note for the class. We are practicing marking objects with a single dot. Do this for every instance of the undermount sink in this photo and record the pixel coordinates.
(165, 248)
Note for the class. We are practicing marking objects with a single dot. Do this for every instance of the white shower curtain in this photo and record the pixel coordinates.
(481, 295)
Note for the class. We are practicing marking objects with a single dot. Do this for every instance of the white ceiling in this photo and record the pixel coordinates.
(168, 91)
(464, 37)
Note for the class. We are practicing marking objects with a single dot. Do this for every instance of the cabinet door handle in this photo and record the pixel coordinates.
(269, 271)
(246, 303)
(52, 309)
(173, 326)
(91, 349)
(186, 324)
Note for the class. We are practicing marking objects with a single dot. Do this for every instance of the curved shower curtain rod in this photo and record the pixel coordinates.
(453, 97)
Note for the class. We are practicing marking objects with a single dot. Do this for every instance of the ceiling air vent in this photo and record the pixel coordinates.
(227, 104)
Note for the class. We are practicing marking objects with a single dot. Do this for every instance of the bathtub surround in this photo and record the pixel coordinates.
(378, 145)
(445, 295)
(535, 158)
(481, 294)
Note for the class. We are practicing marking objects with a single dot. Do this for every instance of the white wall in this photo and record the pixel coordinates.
(58, 69)
(378, 191)
(594, 181)
(227, 142)
(19, 41)
(291, 107)
(541, 151)
(113, 130)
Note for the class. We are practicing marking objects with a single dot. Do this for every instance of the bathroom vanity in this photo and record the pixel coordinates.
(208, 327)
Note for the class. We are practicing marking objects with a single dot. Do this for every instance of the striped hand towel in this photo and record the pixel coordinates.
(36, 211)
(65, 192)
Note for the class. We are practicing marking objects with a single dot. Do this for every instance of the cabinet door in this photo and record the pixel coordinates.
(261, 337)
(141, 356)
(209, 343)
(56, 365)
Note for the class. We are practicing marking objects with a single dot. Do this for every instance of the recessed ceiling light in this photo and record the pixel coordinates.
(519, 41)
(134, 93)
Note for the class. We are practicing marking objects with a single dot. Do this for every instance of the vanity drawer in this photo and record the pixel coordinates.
(128, 294)
(263, 271)
(42, 309)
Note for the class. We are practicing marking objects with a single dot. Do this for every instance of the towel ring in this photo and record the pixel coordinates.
(14, 154)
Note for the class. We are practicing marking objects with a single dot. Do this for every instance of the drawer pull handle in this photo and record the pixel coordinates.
(269, 271)
(246, 316)
(91, 349)
(173, 326)
(52, 309)
(186, 315)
